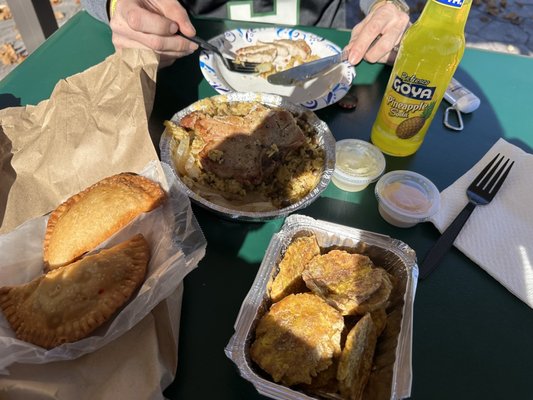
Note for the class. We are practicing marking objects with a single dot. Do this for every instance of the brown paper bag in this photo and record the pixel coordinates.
(95, 124)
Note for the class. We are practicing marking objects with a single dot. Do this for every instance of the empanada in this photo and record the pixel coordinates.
(88, 218)
(70, 302)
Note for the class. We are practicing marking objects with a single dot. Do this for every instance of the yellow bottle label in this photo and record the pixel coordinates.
(407, 105)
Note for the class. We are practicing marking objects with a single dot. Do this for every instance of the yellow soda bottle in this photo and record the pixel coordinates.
(429, 54)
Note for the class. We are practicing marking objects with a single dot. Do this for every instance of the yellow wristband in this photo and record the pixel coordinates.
(112, 6)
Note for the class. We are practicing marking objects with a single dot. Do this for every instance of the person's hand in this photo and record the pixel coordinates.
(375, 38)
(153, 24)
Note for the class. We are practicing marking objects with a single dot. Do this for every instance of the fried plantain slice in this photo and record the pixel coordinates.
(297, 338)
(379, 317)
(349, 282)
(380, 297)
(289, 278)
(355, 363)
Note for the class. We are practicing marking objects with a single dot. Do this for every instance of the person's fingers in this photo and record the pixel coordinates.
(131, 31)
(381, 47)
(175, 12)
(122, 42)
(375, 37)
(142, 20)
(174, 46)
(388, 58)
(386, 48)
(363, 36)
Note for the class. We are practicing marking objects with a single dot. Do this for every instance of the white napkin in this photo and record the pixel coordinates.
(499, 236)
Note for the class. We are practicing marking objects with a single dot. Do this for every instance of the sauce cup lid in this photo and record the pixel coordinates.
(407, 196)
(357, 163)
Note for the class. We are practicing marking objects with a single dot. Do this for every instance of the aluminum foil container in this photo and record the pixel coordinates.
(392, 372)
(325, 140)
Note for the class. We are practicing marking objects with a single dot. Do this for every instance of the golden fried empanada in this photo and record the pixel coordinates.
(88, 218)
(355, 363)
(70, 302)
(289, 278)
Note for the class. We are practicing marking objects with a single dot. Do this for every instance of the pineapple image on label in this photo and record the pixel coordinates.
(411, 126)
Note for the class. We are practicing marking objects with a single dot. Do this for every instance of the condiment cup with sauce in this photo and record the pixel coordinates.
(357, 164)
(406, 198)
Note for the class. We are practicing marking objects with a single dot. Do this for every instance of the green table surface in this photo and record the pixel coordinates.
(472, 338)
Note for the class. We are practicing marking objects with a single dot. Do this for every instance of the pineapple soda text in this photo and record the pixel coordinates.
(429, 54)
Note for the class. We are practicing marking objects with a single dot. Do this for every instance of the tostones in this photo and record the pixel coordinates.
(297, 338)
(289, 278)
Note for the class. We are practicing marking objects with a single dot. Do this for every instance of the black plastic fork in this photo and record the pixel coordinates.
(480, 192)
(243, 68)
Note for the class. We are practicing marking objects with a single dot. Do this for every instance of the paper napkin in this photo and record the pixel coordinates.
(499, 236)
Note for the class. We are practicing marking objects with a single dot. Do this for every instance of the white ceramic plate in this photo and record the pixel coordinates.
(314, 94)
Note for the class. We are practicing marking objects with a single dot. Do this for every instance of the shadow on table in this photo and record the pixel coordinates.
(174, 92)
(8, 100)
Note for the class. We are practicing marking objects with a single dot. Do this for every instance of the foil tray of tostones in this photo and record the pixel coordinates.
(249, 156)
(329, 315)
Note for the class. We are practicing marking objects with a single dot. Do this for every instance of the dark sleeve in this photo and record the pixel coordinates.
(97, 8)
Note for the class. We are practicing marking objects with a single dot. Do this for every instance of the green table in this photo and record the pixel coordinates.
(472, 338)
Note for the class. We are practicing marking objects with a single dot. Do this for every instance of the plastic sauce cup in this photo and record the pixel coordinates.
(357, 164)
(406, 198)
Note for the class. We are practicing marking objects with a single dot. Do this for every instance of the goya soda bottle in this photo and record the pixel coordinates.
(429, 54)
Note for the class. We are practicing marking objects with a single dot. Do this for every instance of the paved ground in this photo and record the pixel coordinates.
(498, 25)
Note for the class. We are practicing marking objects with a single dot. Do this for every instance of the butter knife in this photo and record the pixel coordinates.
(304, 72)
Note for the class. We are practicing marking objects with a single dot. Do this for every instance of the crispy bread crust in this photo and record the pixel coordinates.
(88, 218)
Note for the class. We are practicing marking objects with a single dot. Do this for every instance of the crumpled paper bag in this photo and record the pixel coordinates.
(95, 124)
(497, 236)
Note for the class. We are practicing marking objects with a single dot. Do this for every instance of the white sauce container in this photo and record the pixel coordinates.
(357, 164)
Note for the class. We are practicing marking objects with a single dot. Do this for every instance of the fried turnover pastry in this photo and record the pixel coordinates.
(289, 278)
(349, 282)
(88, 218)
(297, 338)
(355, 363)
(70, 302)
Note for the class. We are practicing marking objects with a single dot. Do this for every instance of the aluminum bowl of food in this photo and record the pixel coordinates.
(249, 156)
